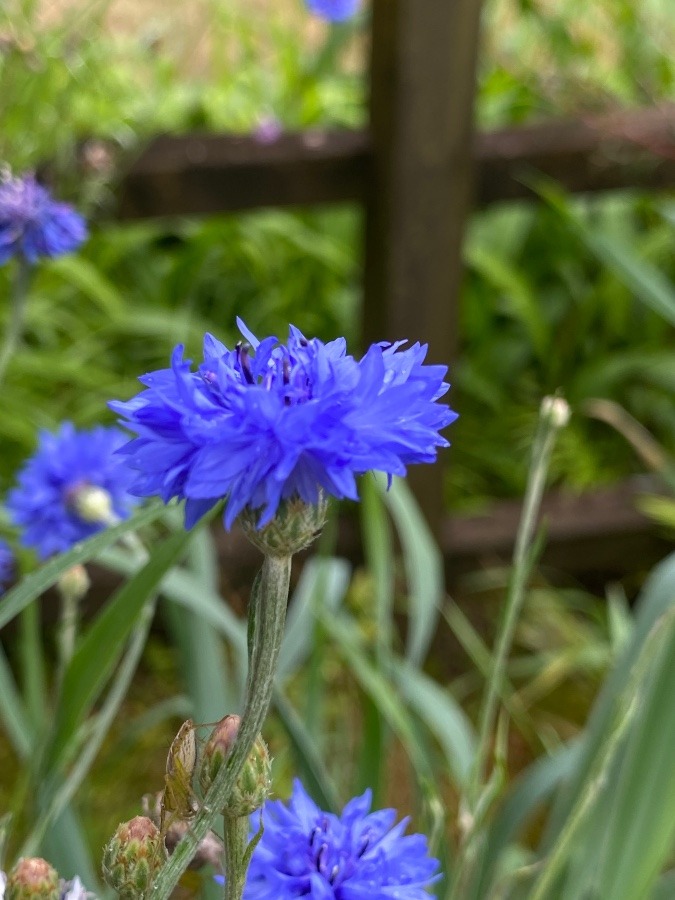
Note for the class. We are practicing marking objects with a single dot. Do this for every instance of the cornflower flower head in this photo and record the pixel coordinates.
(358, 855)
(71, 487)
(7, 564)
(334, 10)
(268, 422)
(33, 224)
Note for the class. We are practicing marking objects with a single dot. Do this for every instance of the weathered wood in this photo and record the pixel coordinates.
(422, 81)
(210, 173)
(626, 148)
(204, 174)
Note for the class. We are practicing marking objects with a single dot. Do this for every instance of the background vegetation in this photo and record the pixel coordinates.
(571, 292)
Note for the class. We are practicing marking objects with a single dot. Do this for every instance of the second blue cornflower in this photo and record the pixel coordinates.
(33, 224)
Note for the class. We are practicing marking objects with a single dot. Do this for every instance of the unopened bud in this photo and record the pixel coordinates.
(557, 410)
(295, 525)
(254, 781)
(74, 583)
(32, 878)
(94, 504)
(132, 858)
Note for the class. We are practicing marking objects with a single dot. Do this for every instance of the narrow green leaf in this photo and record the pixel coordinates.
(312, 769)
(67, 848)
(379, 689)
(180, 586)
(379, 559)
(639, 829)
(323, 582)
(85, 276)
(423, 566)
(37, 582)
(444, 718)
(643, 279)
(101, 645)
(12, 711)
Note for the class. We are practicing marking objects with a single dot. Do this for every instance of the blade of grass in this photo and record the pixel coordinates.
(37, 582)
(14, 715)
(423, 563)
(310, 763)
(101, 645)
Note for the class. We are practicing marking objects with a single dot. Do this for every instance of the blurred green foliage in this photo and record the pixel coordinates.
(540, 308)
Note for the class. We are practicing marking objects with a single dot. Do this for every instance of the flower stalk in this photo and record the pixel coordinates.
(267, 617)
(17, 313)
(235, 830)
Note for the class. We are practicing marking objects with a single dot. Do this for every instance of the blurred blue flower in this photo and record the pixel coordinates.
(74, 890)
(334, 10)
(7, 564)
(359, 855)
(65, 470)
(33, 225)
(282, 421)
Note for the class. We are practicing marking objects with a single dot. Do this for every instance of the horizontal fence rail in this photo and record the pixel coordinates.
(202, 174)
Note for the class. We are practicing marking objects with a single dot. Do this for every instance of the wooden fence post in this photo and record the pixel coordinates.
(423, 63)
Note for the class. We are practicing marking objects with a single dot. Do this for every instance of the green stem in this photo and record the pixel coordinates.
(16, 315)
(32, 664)
(541, 453)
(235, 830)
(267, 616)
(67, 633)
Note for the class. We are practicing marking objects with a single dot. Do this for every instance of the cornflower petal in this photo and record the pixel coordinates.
(359, 855)
(267, 422)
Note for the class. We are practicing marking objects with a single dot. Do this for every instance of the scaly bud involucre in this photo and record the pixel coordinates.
(32, 878)
(295, 526)
(254, 781)
(132, 857)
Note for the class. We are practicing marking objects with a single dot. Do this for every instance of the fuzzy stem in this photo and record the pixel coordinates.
(235, 830)
(16, 315)
(267, 616)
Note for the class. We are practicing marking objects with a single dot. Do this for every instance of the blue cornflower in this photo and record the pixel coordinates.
(359, 855)
(33, 225)
(334, 10)
(73, 486)
(267, 422)
(7, 564)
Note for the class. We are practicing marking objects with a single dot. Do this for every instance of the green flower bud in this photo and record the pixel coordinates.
(254, 781)
(32, 878)
(74, 583)
(295, 526)
(94, 504)
(132, 858)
